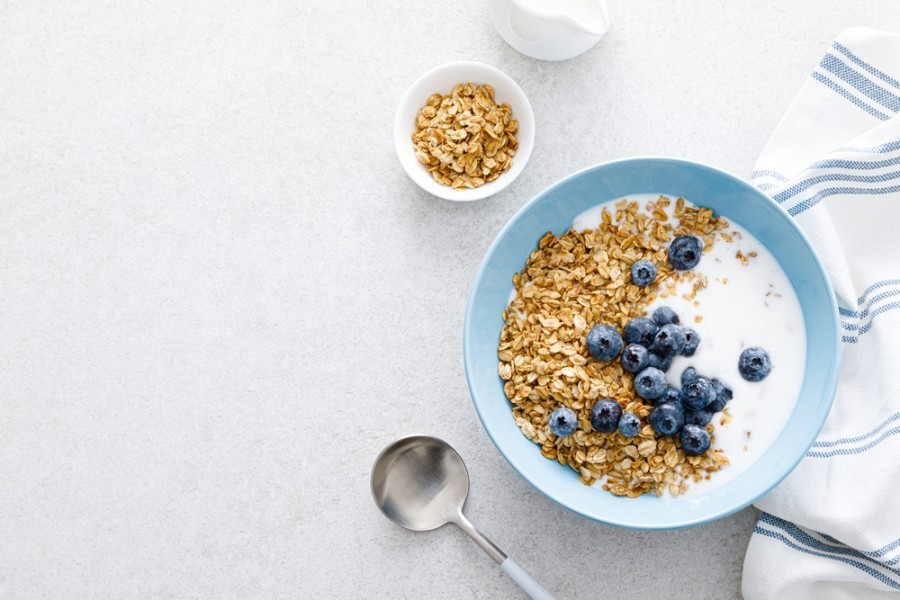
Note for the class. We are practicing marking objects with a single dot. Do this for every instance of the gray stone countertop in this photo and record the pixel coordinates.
(220, 296)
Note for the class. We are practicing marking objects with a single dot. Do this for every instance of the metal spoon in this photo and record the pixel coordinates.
(421, 483)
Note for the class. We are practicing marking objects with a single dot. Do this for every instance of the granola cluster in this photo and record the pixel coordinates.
(571, 283)
(465, 139)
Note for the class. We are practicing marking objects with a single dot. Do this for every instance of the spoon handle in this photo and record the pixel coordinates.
(508, 565)
(531, 587)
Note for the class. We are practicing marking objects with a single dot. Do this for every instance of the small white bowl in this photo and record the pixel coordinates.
(441, 80)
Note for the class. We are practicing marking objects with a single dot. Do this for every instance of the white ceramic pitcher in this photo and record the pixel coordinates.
(550, 29)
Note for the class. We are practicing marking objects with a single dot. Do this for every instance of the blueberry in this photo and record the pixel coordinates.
(660, 362)
(641, 331)
(698, 417)
(650, 383)
(635, 358)
(665, 316)
(629, 424)
(563, 421)
(667, 419)
(694, 439)
(687, 375)
(643, 272)
(715, 406)
(698, 393)
(691, 341)
(669, 340)
(605, 415)
(684, 252)
(723, 395)
(604, 342)
(754, 364)
(670, 395)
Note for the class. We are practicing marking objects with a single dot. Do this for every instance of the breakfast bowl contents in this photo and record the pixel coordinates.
(464, 131)
(652, 343)
(591, 330)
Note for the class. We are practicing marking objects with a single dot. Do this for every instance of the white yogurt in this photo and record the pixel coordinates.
(742, 306)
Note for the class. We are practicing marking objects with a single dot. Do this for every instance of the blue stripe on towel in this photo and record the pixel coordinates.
(862, 314)
(865, 328)
(840, 163)
(855, 450)
(867, 165)
(768, 173)
(853, 563)
(859, 438)
(887, 147)
(866, 66)
(805, 184)
(822, 194)
(833, 163)
(803, 536)
(876, 286)
(865, 302)
(849, 96)
(860, 82)
(887, 548)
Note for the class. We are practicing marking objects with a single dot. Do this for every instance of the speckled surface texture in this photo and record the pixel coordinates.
(220, 296)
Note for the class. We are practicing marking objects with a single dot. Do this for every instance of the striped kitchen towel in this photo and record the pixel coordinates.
(832, 528)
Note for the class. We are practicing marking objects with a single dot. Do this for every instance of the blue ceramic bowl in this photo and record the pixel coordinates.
(554, 210)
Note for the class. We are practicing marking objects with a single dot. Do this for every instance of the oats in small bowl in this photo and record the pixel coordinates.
(465, 139)
(464, 131)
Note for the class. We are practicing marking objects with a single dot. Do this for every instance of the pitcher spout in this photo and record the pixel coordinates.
(551, 29)
(589, 17)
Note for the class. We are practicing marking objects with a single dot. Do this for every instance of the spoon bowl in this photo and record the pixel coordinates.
(420, 482)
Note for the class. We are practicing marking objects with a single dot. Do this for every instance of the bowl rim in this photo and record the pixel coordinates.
(831, 383)
(526, 144)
